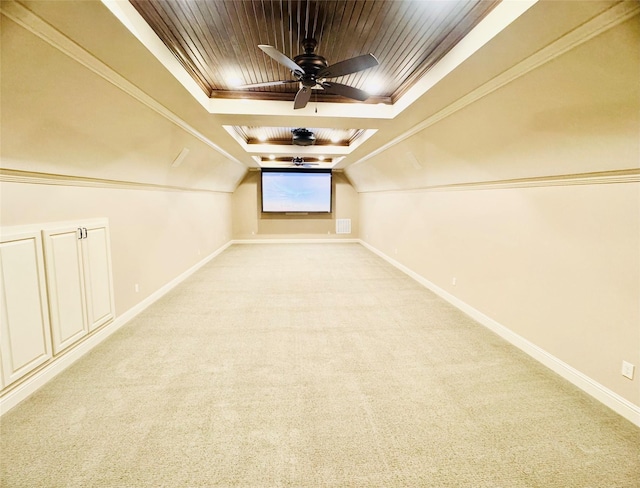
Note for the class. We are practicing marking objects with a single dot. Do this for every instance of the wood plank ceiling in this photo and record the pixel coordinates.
(282, 135)
(216, 41)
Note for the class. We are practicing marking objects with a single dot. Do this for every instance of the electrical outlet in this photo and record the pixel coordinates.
(628, 369)
(454, 280)
(137, 288)
(395, 251)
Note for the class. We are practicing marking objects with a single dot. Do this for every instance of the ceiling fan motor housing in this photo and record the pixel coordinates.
(303, 137)
(310, 62)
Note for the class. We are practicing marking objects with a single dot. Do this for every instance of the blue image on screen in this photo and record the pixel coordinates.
(296, 192)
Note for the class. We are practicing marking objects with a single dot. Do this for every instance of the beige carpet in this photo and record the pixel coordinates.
(311, 366)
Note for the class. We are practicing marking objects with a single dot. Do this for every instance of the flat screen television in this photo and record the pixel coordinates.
(289, 190)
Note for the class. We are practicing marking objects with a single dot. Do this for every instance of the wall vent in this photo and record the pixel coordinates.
(343, 226)
(178, 161)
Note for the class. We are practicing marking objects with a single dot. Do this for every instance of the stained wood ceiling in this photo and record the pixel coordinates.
(216, 41)
(282, 135)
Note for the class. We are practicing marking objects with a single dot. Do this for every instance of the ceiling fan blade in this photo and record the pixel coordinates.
(302, 97)
(281, 58)
(345, 91)
(267, 83)
(348, 66)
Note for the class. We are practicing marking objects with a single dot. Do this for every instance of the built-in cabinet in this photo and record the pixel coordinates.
(56, 289)
(78, 280)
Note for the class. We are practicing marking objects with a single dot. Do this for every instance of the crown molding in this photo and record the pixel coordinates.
(36, 178)
(578, 179)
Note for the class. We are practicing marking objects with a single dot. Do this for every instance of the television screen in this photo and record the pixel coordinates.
(296, 190)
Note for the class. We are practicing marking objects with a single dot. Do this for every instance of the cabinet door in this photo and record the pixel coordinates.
(97, 275)
(65, 285)
(25, 341)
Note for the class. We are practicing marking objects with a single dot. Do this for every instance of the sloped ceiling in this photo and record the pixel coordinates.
(115, 41)
(213, 45)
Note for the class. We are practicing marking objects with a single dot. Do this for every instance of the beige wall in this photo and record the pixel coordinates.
(250, 223)
(553, 260)
(63, 123)
(155, 235)
(557, 265)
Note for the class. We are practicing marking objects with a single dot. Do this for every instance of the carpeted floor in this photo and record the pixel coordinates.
(306, 365)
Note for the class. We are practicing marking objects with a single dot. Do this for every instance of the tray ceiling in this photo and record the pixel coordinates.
(282, 135)
(216, 41)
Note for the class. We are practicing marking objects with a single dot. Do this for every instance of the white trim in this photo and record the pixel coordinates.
(295, 241)
(30, 177)
(601, 393)
(62, 362)
(328, 110)
(597, 178)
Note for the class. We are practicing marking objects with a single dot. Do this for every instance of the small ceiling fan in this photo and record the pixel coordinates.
(300, 163)
(312, 70)
(296, 162)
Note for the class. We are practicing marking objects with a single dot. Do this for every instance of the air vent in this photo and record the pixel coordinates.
(343, 226)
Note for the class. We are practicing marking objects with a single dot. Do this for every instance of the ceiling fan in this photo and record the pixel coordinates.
(300, 163)
(312, 70)
(296, 162)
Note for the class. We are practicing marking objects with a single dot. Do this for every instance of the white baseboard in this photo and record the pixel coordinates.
(59, 364)
(609, 398)
(295, 241)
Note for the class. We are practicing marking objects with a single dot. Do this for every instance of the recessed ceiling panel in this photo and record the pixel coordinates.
(283, 135)
(216, 41)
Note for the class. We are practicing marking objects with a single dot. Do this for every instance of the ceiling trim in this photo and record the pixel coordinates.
(595, 178)
(45, 31)
(249, 106)
(500, 17)
(328, 150)
(37, 178)
(599, 24)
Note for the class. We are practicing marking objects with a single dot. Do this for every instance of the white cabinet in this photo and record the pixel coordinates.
(79, 282)
(97, 269)
(55, 288)
(25, 341)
